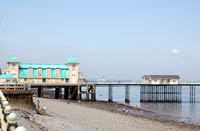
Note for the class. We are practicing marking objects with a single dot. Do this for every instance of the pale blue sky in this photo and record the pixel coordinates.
(120, 39)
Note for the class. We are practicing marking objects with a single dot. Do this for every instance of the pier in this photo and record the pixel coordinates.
(158, 93)
(148, 92)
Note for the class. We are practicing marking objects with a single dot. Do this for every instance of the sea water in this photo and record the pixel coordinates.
(181, 112)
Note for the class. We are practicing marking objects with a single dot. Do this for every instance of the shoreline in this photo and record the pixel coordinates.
(75, 116)
(137, 112)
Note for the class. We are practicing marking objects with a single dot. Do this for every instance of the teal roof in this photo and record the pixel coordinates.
(13, 59)
(72, 60)
(7, 77)
(43, 66)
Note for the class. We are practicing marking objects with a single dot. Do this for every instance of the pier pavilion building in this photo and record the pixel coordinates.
(161, 79)
(43, 73)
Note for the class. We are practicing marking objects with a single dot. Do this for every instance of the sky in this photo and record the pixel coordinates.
(117, 39)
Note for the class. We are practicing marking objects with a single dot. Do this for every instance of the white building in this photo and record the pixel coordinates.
(161, 79)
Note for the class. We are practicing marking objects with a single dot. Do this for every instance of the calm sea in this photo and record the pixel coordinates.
(181, 112)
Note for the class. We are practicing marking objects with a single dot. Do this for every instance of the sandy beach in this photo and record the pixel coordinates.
(74, 116)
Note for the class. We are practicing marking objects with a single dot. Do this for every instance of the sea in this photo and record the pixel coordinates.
(186, 111)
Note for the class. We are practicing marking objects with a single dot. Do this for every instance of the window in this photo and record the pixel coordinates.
(174, 81)
(39, 73)
(73, 67)
(73, 74)
(43, 80)
(7, 80)
(13, 66)
(155, 80)
(66, 80)
(13, 71)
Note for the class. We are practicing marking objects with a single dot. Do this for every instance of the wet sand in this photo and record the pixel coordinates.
(88, 116)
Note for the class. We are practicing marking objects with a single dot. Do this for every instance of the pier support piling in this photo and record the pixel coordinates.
(57, 93)
(69, 93)
(87, 93)
(192, 94)
(40, 92)
(110, 97)
(79, 93)
(127, 94)
(66, 93)
(94, 93)
(163, 93)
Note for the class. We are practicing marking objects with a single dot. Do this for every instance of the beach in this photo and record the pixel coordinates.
(85, 116)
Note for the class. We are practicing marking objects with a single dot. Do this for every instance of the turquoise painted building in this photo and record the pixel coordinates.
(45, 73)
(24, 70)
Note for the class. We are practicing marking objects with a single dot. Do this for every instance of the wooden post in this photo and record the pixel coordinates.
(181, 93)
(127, 94)
(148, 93)
(191, 94)
(69, 93)
(141, 93)
(57, 93)
(87, 93)
(176, 93)
(94, 93)
(194, 94)
(110, 93)
(79, 93)
(66, 93)
(156, 93)
(164, 93)
(40, 92)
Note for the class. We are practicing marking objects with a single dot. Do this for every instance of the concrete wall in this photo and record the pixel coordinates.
(19, 98)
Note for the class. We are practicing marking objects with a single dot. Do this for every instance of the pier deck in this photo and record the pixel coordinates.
(148, 92)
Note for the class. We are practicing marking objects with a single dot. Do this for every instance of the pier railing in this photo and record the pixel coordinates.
(7, 118)
(165, 92)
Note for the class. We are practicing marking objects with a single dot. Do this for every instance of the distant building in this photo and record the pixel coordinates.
(43, 73)
(7, 79)
(5, 72)
(161, 79)
(101, 79)
(81, 77)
